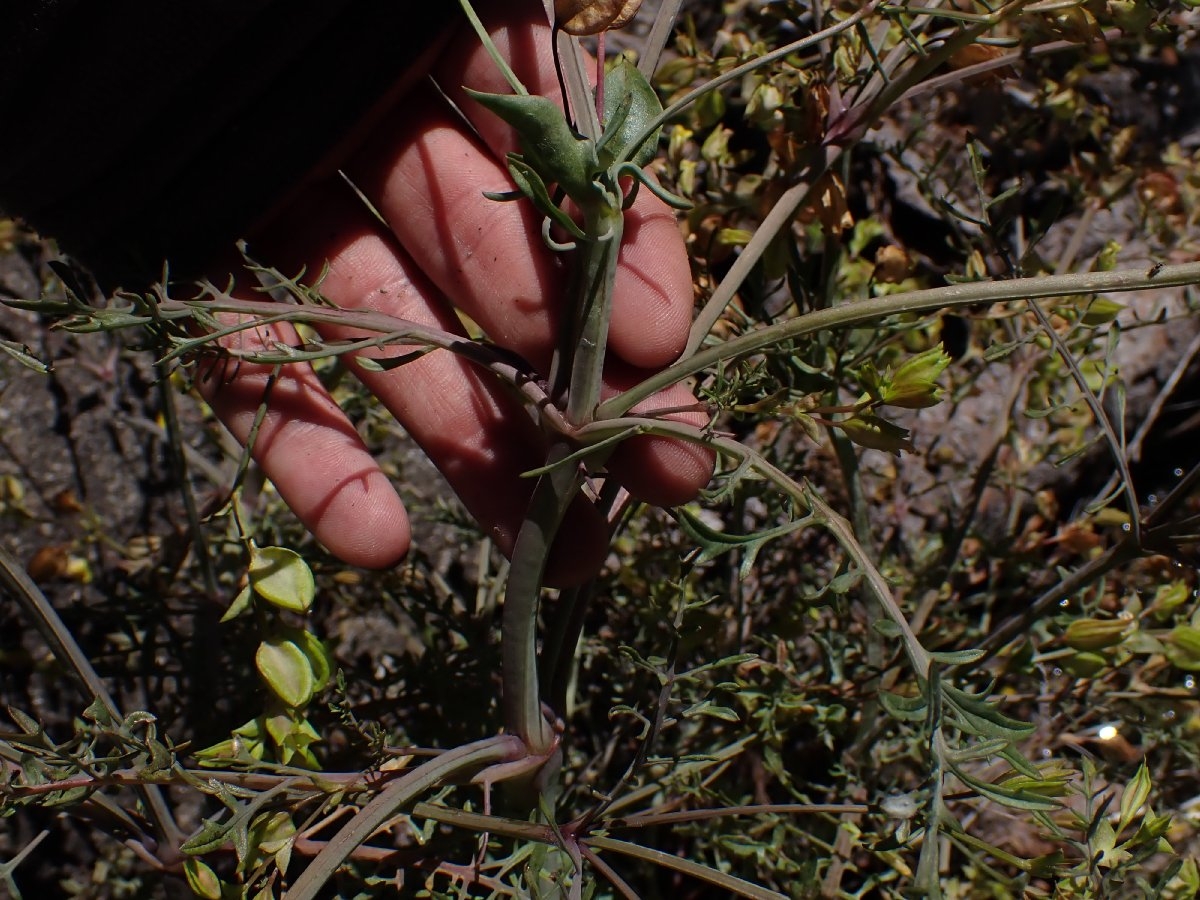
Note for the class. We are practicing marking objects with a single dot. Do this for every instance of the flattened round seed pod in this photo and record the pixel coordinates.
(583, 17)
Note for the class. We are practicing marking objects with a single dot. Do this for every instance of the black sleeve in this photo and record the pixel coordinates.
(136, 132)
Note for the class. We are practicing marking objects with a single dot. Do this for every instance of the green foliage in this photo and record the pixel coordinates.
(793, 688)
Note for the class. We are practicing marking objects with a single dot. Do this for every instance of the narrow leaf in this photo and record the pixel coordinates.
(905, 709)
(1137, 792)
(1014, 799)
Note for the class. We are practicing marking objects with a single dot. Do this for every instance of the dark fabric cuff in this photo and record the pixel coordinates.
(138, 132)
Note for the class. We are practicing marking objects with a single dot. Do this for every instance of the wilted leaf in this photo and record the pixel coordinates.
(892, 264)
(583, 17)
(828, 205)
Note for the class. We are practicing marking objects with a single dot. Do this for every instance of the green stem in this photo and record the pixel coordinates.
(735, 887)
(517, 829)
(522, 700)
(55, 633)
(861, 312)
(1116, 445)
(589, 336)
(486, 39)
(452, 765)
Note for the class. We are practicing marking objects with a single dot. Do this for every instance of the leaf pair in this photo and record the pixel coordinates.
(552, 153)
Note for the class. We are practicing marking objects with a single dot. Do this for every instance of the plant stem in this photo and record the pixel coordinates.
(62, 644)
(452, 765)
(861, 312)
(589, 336)
(486, 39)
(554, 492)
(733, 74)
(734, 886)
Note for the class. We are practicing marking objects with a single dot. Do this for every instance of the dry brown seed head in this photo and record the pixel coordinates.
(584, 17)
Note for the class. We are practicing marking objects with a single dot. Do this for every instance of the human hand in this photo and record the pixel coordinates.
(425, 172)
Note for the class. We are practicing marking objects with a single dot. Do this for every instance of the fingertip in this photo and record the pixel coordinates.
(652, 291)
(663, 471)
(363, 522)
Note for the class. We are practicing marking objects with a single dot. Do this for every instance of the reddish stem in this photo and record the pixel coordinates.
(600, 78)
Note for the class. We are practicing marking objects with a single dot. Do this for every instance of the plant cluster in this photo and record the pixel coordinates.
(827, 679)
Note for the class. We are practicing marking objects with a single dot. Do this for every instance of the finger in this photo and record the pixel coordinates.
(652, 295)
(487, 256)
(311, 452)
(657, 470)
(470, 426)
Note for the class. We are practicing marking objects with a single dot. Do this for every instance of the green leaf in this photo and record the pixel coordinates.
(713, 543)
(1097, 634)
(845, 582)
(280, 576)
(708, 708)
(1019, 763)
(905, 709)
(1137, 792)
(22, 354)
(1104, 839)
(548, 144)
(241, 603)
(27, 723)
(526, 178)
(1014, 798)
(626, 87)
(210, 836)
(913, 385)
(887, 628)
(388, 363)
(956, 657)
(978, 715)
(870, 431)
(1086, 663)
(1101, 311)
(317, 654)
(202, 880)
(1168, 598)
(1183, 648)
(286, 670)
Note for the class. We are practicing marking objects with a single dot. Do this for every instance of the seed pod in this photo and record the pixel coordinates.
(583, 17)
